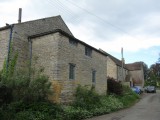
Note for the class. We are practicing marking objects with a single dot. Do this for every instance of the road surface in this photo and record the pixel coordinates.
(148, 108)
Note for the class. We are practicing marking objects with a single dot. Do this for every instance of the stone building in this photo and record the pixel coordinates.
(48, 43)
(114, 68)
(137, 73)
(18, 35)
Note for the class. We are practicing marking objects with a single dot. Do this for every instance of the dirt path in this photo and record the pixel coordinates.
(148, 108)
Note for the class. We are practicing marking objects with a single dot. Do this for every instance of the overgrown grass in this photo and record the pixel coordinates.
(23, 96)
(87, 104)
(129, 97)
(28, 100)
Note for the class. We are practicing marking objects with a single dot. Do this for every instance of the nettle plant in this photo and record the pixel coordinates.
(22, 85)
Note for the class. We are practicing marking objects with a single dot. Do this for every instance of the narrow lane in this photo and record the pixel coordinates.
(148, 108)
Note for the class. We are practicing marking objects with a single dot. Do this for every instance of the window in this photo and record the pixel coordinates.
(71, 71)
(93, 76)
(88, 51)
(73, 42)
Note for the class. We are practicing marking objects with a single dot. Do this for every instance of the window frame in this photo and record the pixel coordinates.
(72, 71)
(88, 51)
(94, 76)
(73, 42)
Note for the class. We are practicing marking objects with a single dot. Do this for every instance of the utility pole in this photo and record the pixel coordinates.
(122, 64)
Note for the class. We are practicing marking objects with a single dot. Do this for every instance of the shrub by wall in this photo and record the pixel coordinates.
(114, 87)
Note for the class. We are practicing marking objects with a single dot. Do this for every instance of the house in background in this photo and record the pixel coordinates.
(114, 68)
(137, 73)
(48, 43)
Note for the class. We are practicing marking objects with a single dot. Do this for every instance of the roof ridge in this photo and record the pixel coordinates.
(38, 19)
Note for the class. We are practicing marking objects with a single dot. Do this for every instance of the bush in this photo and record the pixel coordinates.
(86, 98)
(72, 113)
(85, 106)
(129, 97)
(54, 110)
(5, 95)
(108, 104)
(114, 87)
(33, 111)
(22, 87)
(38, 89)
(88, 102)
(111, 102)
(32, 115)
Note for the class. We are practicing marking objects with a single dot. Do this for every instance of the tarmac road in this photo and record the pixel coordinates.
(148, 108)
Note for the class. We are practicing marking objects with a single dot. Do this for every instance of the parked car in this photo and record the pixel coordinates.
(140, 88)
(136, 90)
(150, 89)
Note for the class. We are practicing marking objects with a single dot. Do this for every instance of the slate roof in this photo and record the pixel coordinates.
(68, 35)
(40, 26)
(134, 66)
(5, 27)
(117, 61)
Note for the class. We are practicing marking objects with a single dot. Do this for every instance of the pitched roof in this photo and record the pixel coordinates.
(40, 26)
(44, 25)
(68, 35)
(116, 61)
(134, 66)
(5, 27)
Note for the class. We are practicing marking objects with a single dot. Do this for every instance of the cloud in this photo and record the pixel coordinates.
(106, 24)
(129, 43)
(9, 9)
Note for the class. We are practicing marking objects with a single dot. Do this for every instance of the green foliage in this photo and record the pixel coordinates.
(23, 87)
(107, 104)
(11, 65)
(5, 95)
(111, 102)
(30, 98)
(153, 75)
(3, 72)
(85, 98)
(129, 97)
(78, 113)
(145, 70)
(33, 111)
(48, 111)
(37, 89)
(32, 115)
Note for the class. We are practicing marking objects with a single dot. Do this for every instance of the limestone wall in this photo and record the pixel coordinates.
(111, 68)
(84, 65)
(54, 52)
(4, 38)
(138, 77)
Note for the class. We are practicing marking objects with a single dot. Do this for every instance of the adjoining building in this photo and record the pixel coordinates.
(48, 43)
(137, 73)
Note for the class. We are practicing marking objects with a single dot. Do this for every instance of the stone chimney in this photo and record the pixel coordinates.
(20, 15)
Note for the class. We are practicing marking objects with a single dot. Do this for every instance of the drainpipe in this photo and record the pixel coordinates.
(9, 45)
(30, 55)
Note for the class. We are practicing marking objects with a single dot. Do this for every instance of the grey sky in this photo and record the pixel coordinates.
(106, 24)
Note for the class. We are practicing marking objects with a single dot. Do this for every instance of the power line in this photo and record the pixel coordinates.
(64, 9)
(100, 18)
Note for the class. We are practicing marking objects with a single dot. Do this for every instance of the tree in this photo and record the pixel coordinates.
(145, 70)
(154, 74)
